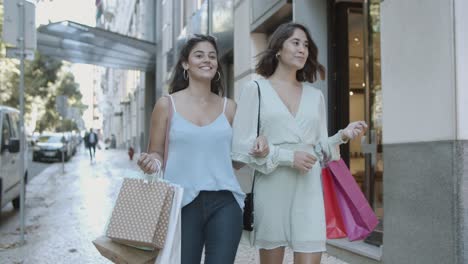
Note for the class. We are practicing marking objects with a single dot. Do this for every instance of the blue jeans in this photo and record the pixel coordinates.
(212, 220)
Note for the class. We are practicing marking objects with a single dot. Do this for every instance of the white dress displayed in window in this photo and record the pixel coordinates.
(289, 209)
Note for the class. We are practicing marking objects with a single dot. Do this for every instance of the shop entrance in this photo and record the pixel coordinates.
(356, 94)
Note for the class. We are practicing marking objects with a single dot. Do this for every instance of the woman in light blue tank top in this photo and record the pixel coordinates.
(199, 154)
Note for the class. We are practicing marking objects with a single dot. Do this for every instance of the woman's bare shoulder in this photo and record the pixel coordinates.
(162, 105)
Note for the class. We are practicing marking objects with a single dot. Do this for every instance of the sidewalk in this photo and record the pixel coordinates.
(65, 212)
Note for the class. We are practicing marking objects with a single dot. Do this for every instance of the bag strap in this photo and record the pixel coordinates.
(258, 125)
(168, 129)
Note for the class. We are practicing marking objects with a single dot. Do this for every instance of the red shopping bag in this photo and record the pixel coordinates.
(334, 220)
(358, 217)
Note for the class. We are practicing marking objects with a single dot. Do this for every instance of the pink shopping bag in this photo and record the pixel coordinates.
(358, 216)
(334, 220)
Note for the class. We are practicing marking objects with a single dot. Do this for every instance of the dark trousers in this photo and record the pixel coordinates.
(214, 221)
(93, 153)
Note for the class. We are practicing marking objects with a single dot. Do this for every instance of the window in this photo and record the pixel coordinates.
(15, 126)
(5, 131)
(200, 3)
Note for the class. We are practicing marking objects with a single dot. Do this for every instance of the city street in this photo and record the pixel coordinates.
(35, 167)
(373, 91)
(65, 212)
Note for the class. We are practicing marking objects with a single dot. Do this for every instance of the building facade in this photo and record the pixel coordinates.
(400, 66)
(127, 95)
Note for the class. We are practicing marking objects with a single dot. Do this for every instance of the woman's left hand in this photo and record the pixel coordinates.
(260, 148)
(354, 129)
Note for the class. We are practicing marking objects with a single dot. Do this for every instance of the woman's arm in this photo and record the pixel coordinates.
(260, 147)
(157, 136)
(329, 146)
(245, 136)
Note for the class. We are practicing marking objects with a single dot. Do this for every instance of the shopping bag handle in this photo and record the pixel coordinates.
(158, 175)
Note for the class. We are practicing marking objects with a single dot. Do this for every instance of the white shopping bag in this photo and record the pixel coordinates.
(171, 252)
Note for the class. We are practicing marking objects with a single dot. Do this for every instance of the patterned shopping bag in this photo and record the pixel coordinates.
(140, 217)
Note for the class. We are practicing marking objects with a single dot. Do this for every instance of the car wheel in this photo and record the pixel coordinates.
(16, 202)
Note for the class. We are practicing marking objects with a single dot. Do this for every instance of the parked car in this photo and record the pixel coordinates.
(33, 138)
(51, 147)
(10, 157)
(73, 141)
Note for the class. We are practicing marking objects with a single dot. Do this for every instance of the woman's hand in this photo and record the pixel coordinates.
(303, 161)
(148, 164)
(353, 130)
(260, 148)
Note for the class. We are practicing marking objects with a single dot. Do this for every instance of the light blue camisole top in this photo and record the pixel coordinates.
(199, 157)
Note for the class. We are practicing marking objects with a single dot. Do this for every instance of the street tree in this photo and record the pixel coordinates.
(45, 78)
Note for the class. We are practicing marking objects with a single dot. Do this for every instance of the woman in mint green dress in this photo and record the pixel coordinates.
(288, 199)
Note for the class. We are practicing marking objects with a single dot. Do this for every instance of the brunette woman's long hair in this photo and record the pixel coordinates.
(268, 62)
(180, 82)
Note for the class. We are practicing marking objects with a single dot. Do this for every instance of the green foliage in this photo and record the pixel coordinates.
(67, 125)
(45, 78)
(64, 85)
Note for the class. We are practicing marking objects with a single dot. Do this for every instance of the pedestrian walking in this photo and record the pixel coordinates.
(288, 200)
(91, 140)
(199, 154)
(113, 143)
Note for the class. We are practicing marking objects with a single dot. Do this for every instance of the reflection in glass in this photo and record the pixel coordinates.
(358, 107)
(376, 101)
(222, 26)
(357, 88)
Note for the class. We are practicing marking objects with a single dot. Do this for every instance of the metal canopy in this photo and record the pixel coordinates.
(78, 43)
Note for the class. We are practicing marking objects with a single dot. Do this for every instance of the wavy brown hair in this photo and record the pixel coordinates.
(268, 62)
(179, 83)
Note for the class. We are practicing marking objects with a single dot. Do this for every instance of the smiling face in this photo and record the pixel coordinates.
(295, 50)
(202, 62)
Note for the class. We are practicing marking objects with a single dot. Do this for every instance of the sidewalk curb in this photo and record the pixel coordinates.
(47, 172)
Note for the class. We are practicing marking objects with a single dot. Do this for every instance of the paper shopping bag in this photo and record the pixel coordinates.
(171, 252)
(140, 217)
(358, 216)
(334, 220)
(122, 254)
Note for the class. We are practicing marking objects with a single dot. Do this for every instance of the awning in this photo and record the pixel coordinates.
(78, 43)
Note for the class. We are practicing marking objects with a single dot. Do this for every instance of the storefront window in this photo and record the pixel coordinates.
(357, 95)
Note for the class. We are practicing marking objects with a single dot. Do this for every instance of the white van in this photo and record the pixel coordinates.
(10, 174)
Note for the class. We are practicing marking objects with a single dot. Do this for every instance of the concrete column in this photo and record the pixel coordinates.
(251, 44)
(461, 65)
(149, 102)
(425, 130)
(313, 14)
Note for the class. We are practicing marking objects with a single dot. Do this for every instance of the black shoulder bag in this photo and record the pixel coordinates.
(249, 199)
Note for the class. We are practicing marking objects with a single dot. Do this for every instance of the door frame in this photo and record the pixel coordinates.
(338, 70)
(338, 90)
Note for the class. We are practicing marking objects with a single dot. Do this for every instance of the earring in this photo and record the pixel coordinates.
(185, 74)
(219, 76)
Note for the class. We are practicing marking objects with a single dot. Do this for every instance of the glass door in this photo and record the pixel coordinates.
(356, 94)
